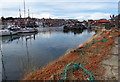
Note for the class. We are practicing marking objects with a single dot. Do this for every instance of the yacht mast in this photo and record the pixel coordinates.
(24, 8)
(20, 13)
(28, 13)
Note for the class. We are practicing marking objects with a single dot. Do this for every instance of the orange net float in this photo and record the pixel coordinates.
(99, 39)
(107, 33)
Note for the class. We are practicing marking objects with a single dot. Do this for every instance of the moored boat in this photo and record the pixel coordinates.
(7, 32)
(27, 30)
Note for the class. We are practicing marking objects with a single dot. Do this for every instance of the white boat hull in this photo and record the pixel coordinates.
(27, 31)
(7, 33)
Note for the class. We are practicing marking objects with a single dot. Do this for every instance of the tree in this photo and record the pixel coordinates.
(2, 18)
(9, 18)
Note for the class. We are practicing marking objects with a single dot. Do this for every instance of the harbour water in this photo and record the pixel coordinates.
(24, 53)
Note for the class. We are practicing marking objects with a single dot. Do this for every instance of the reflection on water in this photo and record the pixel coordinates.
(8, 39)
(74, 31)
(24, 53)
(2, 67)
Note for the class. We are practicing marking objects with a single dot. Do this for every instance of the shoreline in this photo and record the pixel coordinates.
(57, 66)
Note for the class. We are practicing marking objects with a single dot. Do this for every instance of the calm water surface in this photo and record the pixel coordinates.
(26, 52)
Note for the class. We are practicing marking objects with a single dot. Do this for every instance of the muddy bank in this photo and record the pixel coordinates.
(90, 54)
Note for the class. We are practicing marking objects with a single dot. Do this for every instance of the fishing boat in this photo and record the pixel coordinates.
(7, 32)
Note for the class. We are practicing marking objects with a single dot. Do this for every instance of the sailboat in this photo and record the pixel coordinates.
(27, 29)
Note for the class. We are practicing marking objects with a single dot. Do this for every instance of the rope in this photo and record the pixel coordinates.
(75, 67)
(118, 28)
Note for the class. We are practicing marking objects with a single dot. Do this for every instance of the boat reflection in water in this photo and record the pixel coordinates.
(27, 52)
(74, 31)
(24, 62)
(27, 63)
(7, 39)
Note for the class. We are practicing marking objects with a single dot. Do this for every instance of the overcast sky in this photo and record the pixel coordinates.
(75, 9)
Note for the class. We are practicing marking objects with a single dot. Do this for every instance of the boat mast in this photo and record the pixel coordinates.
(28, 13)
(24, 8)
(20, 13)
(24, 14)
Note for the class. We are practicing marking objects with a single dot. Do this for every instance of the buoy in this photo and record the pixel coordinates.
(81, 46)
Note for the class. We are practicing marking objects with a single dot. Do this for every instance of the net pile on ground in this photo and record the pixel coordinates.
(91, 54)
